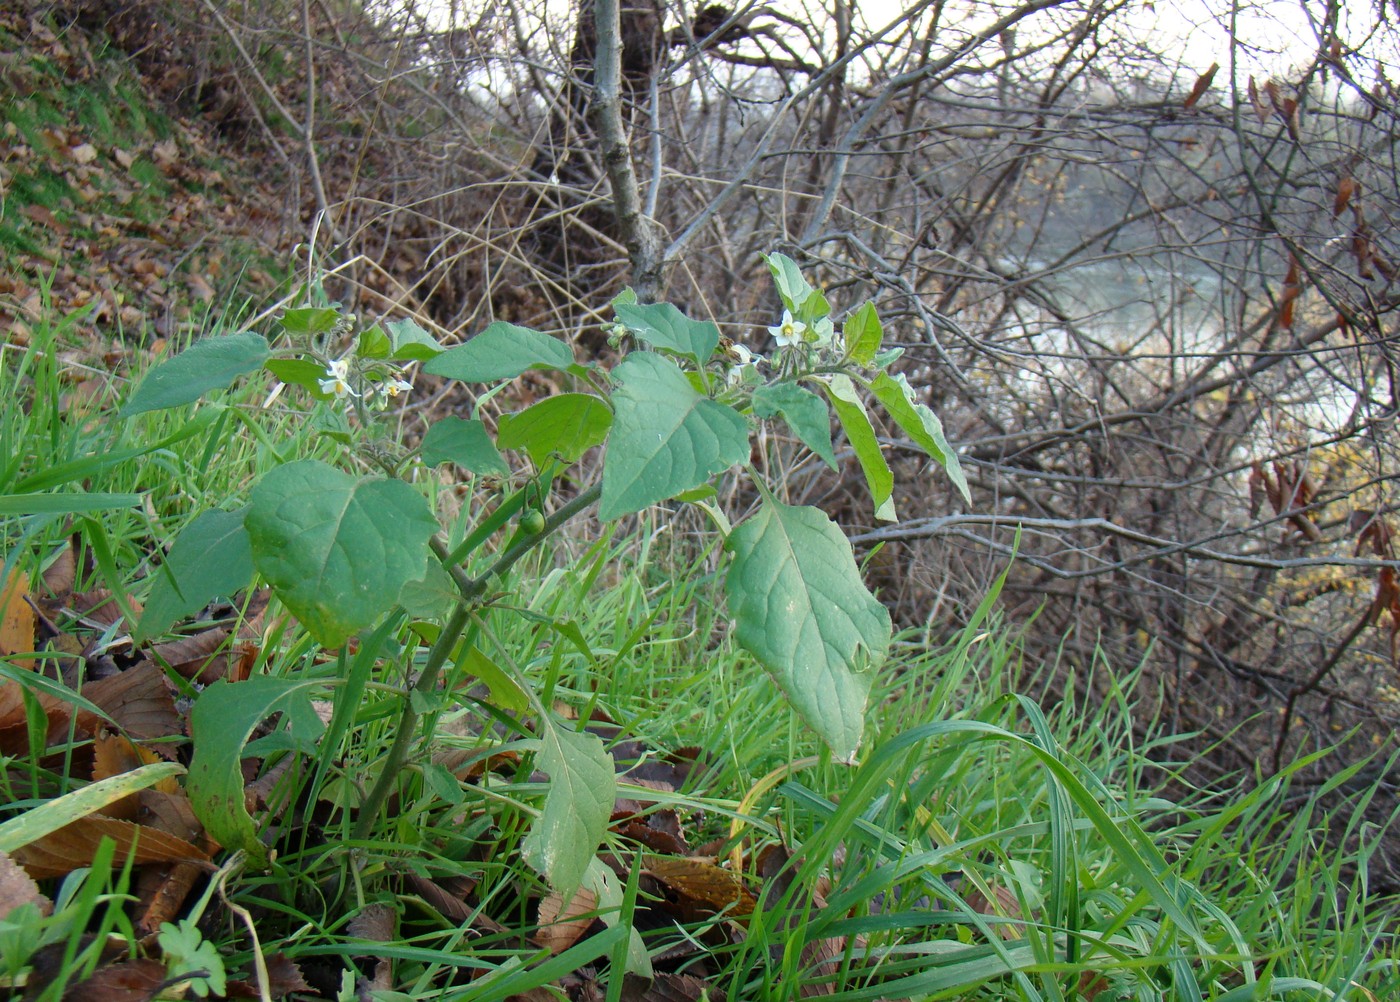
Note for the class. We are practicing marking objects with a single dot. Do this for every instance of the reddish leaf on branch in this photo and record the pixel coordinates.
(1202, 85)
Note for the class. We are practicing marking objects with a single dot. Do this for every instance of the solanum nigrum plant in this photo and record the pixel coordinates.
(354, 550)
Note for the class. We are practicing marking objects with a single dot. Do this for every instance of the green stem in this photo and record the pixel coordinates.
(408, 721)
(471, 590)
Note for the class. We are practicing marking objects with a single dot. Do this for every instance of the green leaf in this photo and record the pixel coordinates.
(300, 372)
(410, 343)
(211, 557)
(337, 550)
(804, 412)
(582, 790)
(793, 287)
(464, 442)
(221, 722)
(432, 595)
(864, 334)
(501, 351)
(373, 343)
(61, 504)
(801, 608)
(566, 425)
(663, 326)
(188, 952)
(666, 437)
(310, 321)
(627, 297)
(851, 411)
(504, 690)
(210, 364)
(51, 815)
(920, 424)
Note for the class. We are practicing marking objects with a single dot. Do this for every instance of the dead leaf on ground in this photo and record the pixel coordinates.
(16, 619)
(375, 922)
(283, 978)
(61, 852)
(139, 700)
(161, 891)
(561, 924)
(701, 887)
(136, 980)
(17, 888)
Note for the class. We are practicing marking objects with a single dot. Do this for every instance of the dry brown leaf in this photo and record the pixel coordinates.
(562, 925)
(665, 988)
(128, 981)
(100, 606)
(1201, 86)
(161, 891)
(17, 888)
(1346, 188)
(702, 887)
(61, 574)
(139, 700)
(1004, 905)
(448, 905)
(16, 619)
(73, 845)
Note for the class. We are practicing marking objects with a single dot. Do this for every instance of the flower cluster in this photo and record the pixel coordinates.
(379, 388)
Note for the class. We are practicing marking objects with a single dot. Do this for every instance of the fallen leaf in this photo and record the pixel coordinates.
(136, 980)
(561, 924)
(701, 886)
(139, 700)
(17, 888)
(61, 852)
(16, 619)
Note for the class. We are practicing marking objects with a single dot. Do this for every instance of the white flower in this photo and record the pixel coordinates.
(789, 333)
(741, 354)
(393, 387)
(337, 381)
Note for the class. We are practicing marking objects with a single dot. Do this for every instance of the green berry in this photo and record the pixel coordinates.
(532, 521)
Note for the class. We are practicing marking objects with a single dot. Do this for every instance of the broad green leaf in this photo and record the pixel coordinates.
(804, 412)
(792, 286)
(504, 689)
(627, 297)
(431, 596)
(211, 557)
(801, 608)
(210, 364)
(815, 309)
(566, 425)
(373, 343)
(335, 549)
(920, 424)
(221, 722)
(409, 342)
(666, 437)
(300, 372)
(864, 334)
(48, 817)
(663, 326)
(464, 442)
(582, 790)
(851, 412)
(61, 504)
(501, 351)
(310, 321)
